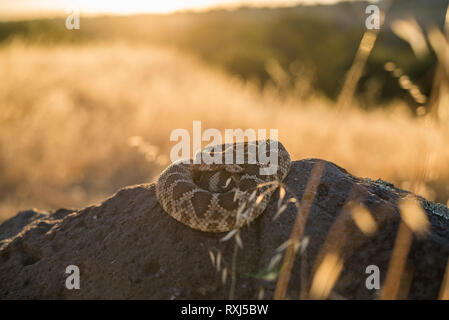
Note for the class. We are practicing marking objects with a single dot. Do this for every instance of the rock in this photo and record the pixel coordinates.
(14, 225)
(129, 248)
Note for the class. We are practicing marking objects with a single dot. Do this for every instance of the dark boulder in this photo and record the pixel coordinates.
(129, 248)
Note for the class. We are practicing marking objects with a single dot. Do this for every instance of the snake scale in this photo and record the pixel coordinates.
(219, 197)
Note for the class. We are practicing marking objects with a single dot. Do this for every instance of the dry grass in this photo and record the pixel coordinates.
(68, 115)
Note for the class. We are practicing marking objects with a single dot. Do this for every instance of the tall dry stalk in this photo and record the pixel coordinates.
(438, 102)
(346, 97)
(354, 74)
(347, 93)
(397, 262)
(329, 261)
(414, 220)
(298, 230)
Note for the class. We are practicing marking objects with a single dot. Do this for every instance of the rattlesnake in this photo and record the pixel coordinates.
(222, 197)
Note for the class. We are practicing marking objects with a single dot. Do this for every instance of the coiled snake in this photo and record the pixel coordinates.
(219, 197)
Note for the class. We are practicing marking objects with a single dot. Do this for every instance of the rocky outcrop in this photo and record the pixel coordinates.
(128, 248)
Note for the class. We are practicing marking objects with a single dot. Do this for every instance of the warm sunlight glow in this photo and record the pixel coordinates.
(136, 6)
(20, 7)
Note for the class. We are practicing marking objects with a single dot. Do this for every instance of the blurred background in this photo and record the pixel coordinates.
(87, 111)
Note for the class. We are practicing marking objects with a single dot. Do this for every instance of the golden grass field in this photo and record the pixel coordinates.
(79, 122)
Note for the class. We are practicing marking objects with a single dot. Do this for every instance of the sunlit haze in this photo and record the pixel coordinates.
(46, 7)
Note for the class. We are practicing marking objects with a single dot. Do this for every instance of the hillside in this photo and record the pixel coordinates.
(314, 43)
